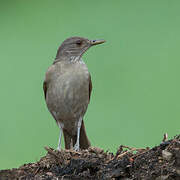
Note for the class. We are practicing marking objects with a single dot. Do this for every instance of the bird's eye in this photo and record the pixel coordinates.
(79, 43)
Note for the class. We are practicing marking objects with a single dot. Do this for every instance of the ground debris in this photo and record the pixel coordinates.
(160, 162)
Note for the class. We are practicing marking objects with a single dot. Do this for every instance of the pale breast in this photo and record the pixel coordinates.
(68, 91)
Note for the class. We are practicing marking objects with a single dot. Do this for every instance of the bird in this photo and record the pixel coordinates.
(67, 90)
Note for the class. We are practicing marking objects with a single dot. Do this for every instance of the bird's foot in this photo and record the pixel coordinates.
(59, 148)
(76, 147)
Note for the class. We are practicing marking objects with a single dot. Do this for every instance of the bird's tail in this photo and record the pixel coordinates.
(71, 140)
(84, 141)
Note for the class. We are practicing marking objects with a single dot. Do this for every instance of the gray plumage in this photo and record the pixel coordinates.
(67, 89)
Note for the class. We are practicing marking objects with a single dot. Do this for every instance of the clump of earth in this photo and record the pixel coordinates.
(159, 163)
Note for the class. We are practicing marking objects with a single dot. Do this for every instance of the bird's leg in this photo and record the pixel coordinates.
(59, 142)
(60, 137)
(76, 146)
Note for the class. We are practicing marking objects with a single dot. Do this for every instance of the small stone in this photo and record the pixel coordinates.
(166, 155)
(178, 171)
(163, 177)
(49, 173)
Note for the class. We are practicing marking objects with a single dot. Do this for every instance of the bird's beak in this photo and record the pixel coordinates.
(98, 41)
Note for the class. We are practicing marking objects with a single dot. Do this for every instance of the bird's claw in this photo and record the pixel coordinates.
(59, 148)
(76, 147)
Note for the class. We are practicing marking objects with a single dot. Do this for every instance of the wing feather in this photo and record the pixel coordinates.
(90, 86)
(45, 88)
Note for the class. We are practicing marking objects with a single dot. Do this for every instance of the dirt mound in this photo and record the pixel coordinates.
(160, 162)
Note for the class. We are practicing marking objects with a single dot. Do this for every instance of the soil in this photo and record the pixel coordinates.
(158, 163)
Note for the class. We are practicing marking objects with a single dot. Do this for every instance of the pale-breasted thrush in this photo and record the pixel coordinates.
(67, 89)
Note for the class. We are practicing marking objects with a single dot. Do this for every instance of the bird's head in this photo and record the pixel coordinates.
(74, 47)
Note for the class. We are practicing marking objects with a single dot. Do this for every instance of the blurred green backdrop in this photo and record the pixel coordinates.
(136, 86)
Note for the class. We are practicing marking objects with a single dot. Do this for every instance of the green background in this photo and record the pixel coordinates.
(135, 74)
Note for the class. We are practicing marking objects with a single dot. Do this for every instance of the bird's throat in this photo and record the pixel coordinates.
(75, 59)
